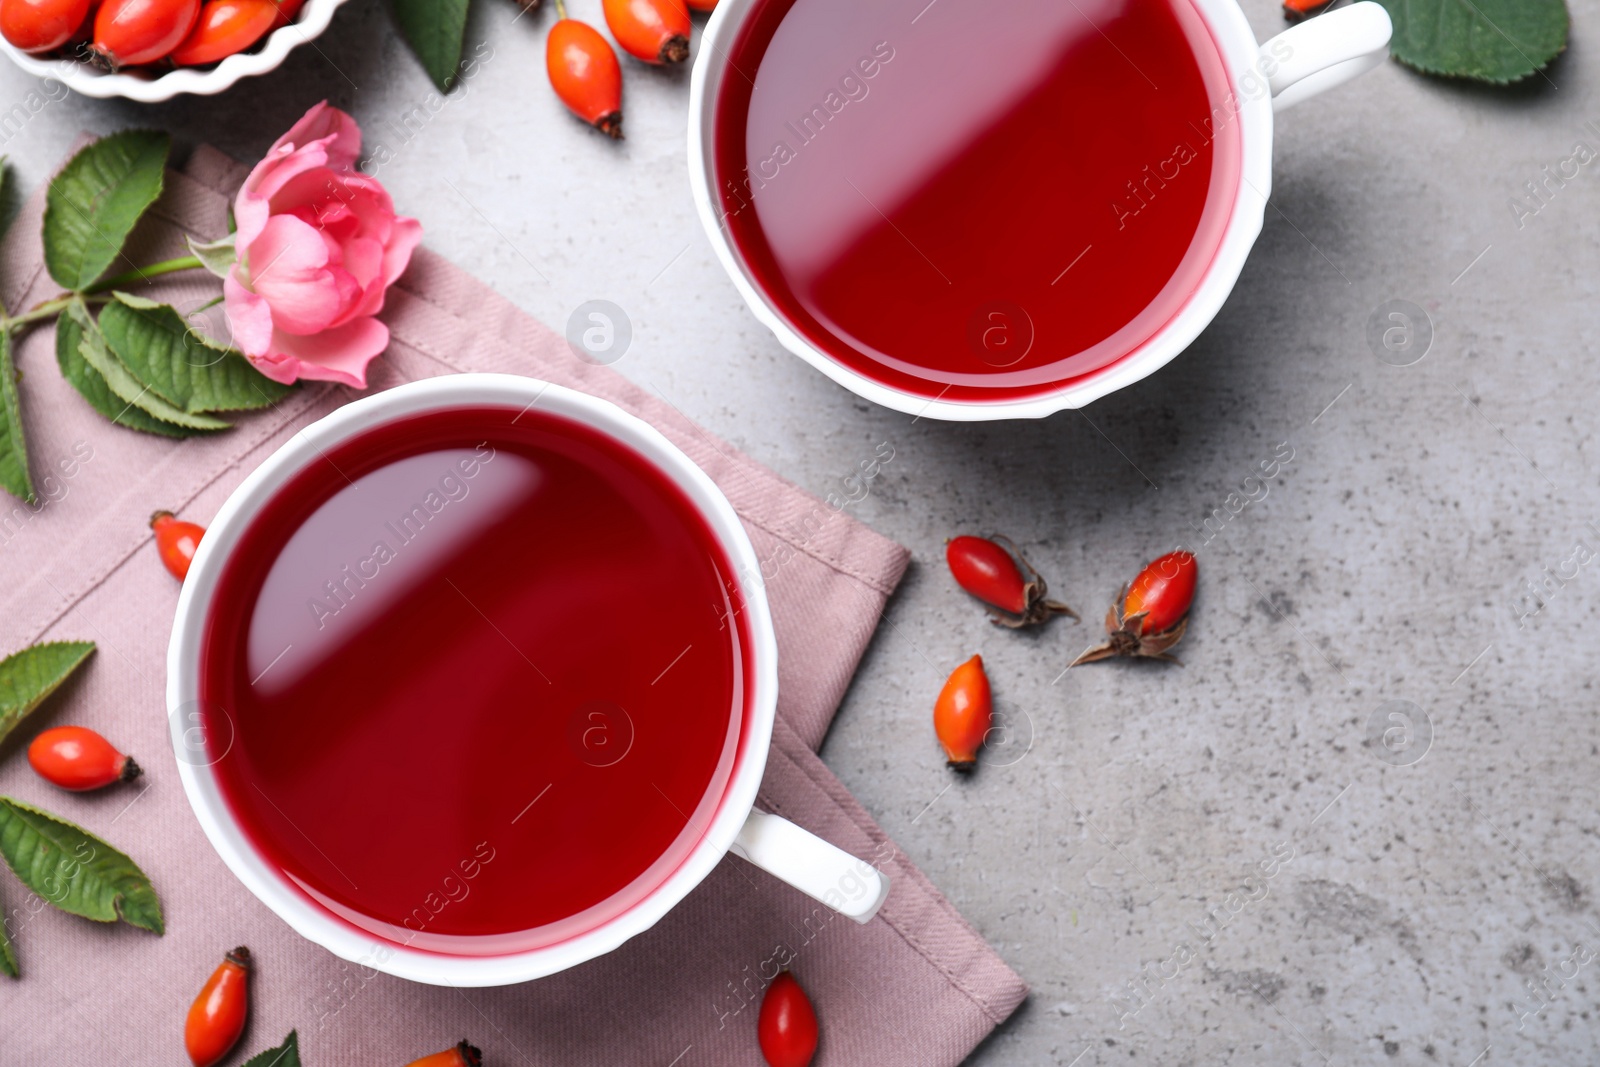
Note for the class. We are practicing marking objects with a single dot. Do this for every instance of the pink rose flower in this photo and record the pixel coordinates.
(318, 245)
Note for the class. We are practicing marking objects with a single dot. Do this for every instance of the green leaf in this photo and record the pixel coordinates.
(155, 343)
(27, 677)
(1490, 40)
(123, 383)
(434, 29)
(219, 256)
(75, 870)
(8, 955)
(14, 475)
(133, 300)
(285, 1055)
(86, 380)
(95, 201)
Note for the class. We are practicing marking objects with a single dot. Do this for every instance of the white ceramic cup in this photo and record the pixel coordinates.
(849, 885)
(1315, 56)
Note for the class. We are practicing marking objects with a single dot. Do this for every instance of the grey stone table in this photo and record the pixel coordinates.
(1362, 818)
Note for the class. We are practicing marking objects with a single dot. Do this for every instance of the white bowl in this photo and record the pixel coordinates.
(135, 85)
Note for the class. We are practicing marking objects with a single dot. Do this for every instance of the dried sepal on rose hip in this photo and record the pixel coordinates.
(994, 570)
(963, 714)
(1151, 613)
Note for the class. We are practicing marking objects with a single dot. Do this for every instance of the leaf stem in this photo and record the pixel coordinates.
(47, 308)
(139, 274)
(561, 9)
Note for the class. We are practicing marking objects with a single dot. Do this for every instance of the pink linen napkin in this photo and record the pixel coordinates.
(916, 986)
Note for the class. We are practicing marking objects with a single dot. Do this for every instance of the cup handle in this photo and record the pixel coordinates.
(850, 886)
(1326, 51)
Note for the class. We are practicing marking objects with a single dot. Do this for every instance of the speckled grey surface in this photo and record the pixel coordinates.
(1390, 561)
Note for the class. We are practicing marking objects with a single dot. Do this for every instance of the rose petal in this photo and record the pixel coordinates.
(285, 369)
(403, 240)
(248, 317)
(406, 235)
(337, 355)
(288, 265)
(363, 258)
(340, 132)
(324, 198)
(255, 202)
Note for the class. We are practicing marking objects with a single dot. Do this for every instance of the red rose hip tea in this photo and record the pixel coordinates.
(976, 200)
(475, 682)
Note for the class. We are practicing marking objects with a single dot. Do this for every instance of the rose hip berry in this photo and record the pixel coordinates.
(1151, 613)
(787, 1027)
(129, 32)
(176, 541)
(1296, 10)
(963, 714)
(226, 27)
(585, 73)
(41, 25)
(461, 1054)
(77, 758)
(996, 572)
(216, 1018)
(656, 31)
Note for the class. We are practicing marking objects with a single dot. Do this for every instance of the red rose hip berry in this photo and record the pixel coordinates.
(461, 1054)
(176, 541)
(226, 27)
(585, 73)
(963, 714)
(1151, 613)
(131, 32)
(217, 1016)
(41, 25)
(787, 1026)
(995, 571)
(656, 31)
(77, 758)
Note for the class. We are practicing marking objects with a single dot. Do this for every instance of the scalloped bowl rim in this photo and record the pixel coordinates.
(82, 78)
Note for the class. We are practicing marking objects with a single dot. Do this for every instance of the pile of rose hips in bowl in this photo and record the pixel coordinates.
(1147, 618)
(118, 34)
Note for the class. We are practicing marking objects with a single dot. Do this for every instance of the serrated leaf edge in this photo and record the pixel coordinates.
(118, 897)
(32, 704)
(146, 398)
(290, 1045)
(160, 187)
(13, 416)
(78, 314)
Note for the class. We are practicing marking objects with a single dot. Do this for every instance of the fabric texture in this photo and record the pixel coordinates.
(916, 986)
